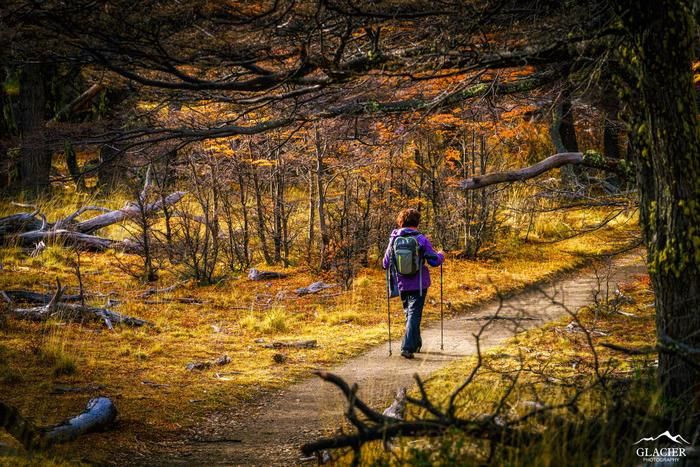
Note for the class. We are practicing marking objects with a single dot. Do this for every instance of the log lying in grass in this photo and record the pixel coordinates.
(99, 414)
(75, 239)
(313, 288)
(57, 308)
(26, 230)
(17, 223)
(257, 275)
(311, 344)
(200, 365)
(36, 297)
(129, 212)
(76, 312)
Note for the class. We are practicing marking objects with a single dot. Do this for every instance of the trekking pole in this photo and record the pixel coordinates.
(388, 305)
(442, 342)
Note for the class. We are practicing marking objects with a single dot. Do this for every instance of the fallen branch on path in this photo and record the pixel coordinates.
(99, 414)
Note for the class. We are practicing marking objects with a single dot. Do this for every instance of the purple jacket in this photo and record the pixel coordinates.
(410, 283)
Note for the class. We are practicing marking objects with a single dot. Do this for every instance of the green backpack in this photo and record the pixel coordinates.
(407, 257)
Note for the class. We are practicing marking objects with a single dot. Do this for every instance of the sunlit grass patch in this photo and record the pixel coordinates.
(54, 355)
(274, 320)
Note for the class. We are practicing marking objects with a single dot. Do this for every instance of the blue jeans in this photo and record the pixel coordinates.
(413, 309)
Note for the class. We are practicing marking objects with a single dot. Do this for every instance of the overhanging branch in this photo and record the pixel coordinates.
(552, 162)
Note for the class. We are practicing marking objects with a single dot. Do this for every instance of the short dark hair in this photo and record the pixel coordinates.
(408, 218)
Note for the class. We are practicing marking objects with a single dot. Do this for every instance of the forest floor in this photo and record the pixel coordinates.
(271, 432)
(163, 405)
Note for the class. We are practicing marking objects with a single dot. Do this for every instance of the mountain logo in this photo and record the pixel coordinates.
(676, 439)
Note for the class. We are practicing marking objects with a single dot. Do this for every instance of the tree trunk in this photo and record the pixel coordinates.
(322, 227)
(260, 211)
(312, 214)
(665, 138)
(109, 170)
(563, 132)
(73, 167)
(243, 199)
(278, 205)
(35, 163)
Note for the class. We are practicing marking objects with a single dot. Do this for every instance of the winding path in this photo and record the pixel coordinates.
(272, 433)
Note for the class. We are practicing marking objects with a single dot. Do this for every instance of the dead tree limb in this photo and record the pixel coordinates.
(77, 103)
(257, 275)
(74, 239)
(313, 288)
(129, 212)
(310, 344)
(17, 223)
(99, 414)
(75, 312)
(36, 297)
(550, 163)
(372, 426)
(66, 221)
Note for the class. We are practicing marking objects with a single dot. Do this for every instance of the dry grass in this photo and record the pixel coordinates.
(143, 369)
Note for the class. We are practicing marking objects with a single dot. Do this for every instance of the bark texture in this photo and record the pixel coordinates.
(665, 139)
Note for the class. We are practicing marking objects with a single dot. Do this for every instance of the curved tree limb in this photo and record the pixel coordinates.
(552, 162)
(98, 415)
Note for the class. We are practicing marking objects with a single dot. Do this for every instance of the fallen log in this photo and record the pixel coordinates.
(310, 344)
(313, 288)
(257, 275)
(129, 212)
(28, 230)
(75, 312)
(36, 297)
(68, 220)
(17, 223)
(74, 239)
(99, 414)
(200, 365)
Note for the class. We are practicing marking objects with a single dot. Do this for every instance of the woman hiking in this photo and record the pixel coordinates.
(405, 257)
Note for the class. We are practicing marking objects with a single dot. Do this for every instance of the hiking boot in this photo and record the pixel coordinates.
(407, 354)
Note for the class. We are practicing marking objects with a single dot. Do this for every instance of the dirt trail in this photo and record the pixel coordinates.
(272, 433)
